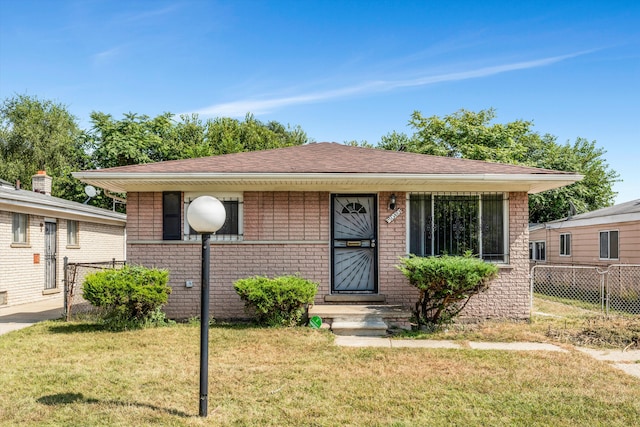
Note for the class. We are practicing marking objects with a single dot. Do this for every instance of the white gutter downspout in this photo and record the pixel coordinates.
(114, 197)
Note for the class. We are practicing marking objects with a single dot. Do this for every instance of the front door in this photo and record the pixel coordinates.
(354, 253)
(50, 249)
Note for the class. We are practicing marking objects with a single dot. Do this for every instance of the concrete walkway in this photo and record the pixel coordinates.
(24, 315)
(354, 341)
(627, 361)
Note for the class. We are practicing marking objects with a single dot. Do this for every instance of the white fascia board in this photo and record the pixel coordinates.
(127, 182)
(33, 208)
(601, 220)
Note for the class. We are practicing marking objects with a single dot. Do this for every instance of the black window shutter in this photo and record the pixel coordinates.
(171, 216)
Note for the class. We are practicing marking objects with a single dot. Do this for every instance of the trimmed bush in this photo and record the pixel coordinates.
(130, 297)
(446, 283)
(279, 301)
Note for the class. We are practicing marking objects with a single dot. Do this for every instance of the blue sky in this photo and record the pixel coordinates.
(342, 70)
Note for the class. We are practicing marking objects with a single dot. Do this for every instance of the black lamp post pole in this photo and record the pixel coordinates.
(204, 325)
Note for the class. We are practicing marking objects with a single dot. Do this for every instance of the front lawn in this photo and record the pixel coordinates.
(58, 373)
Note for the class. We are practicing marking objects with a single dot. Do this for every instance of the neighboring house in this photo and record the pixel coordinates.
(37, 231)
(601, 237)
(339, 215)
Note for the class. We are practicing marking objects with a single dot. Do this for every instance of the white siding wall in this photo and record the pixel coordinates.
(23, 279)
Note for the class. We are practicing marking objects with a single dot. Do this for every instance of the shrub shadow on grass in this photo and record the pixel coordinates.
(75, 328)
(69, 398)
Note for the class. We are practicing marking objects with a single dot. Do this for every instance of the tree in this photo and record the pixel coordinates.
(594, 191)
(471, 135)
(133, 140)
(37, 135)
(226, 135)
(139, 139)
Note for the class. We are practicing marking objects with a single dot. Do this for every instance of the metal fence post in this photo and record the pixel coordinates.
(605, 293)
(532, 275)
(65, 280)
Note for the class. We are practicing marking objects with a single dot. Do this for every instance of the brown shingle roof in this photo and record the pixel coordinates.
(329, 157)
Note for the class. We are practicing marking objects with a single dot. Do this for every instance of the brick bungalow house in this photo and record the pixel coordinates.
(38, 230)
(338, 215)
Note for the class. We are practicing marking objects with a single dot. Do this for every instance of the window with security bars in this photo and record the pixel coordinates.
(232, 227)
(456, 223)
(538, 251)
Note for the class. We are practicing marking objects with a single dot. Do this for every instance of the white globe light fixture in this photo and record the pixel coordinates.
(205, 215)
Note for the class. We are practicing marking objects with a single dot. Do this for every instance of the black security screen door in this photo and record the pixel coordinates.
(50, 252)
(354, 253)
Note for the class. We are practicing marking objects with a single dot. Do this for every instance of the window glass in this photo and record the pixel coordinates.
(72, 233)
(420, 224)
(609, 244)
(604, 244)
(613, 245)
(565, 244)
(19, 228)
(171, 216)
(454, 224)
(541, 251)
(537, 251)
(493, 226)
(232, 227)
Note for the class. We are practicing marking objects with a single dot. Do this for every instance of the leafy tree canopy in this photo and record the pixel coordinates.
(37, 135)
(139, 139)
(473, 135)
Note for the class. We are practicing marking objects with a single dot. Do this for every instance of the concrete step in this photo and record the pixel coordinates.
(334, 311)
(369, 327)
(360, 320)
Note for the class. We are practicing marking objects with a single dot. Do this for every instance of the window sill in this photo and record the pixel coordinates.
(73, 246)
(20, 245)
(51, 291)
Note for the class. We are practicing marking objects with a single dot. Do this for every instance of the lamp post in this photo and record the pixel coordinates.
(205, 215)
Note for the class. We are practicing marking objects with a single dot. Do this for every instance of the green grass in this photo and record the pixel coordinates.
(553, 321)
(74, 374)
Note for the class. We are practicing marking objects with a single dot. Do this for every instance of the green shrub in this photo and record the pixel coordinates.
(446, 283)
(130, 297)
(279, 301)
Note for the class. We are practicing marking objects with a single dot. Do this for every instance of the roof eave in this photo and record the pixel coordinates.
(33, 207)
(143, 182)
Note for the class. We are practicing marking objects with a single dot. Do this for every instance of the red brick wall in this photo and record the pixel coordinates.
(289, 233)
(284, 233)
(286, 216)
(509, 295)
(392, 245)
(144, 216)
(229, 262)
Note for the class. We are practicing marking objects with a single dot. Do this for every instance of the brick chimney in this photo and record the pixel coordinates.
(41, 183)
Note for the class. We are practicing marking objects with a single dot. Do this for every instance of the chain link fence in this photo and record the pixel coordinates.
(74, 274)
(611, 289)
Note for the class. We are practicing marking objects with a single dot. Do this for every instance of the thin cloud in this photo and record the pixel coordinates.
(263, 106)
(143, 16)
(106, 56)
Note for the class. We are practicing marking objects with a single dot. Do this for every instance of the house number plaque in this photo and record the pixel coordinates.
(393, 216)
